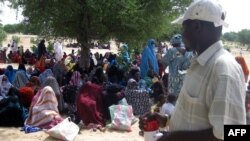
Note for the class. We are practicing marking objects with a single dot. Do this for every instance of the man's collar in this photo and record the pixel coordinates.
(209, 52)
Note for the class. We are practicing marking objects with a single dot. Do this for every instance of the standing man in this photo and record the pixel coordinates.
(213, 92)
(41, 49)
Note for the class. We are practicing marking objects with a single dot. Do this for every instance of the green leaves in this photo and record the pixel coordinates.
(242, 36)
(3, 35)
(130, 21)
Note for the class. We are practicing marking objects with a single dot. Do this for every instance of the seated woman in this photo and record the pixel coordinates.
(26, 95)
(89, 104)
(137, 98)
(52, 82)
(5, 85)
(48, 72)
(10, 73)
(43, 110)
(35, 83)
(111, 96)
(27, 92)
(59, 71)
(40, 64)
(11, 113)
(20, 79)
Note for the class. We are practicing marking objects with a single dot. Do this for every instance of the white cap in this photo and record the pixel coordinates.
(204, 10)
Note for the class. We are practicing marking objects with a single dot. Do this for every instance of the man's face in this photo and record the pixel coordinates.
(188, 35)
(191, 34)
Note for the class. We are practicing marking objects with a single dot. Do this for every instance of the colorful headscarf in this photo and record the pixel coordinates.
(125, 54)
(52, 82)
(20, 79)
(26, 95)
(45, 74)
(10, 73)
(44, 112)
(35, 81)
(148, 56)
(176, 39)
(59, 71)
(4, 86)
(90, 103)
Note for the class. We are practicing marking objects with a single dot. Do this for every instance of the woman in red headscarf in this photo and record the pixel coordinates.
(89, 104)
(27, 92)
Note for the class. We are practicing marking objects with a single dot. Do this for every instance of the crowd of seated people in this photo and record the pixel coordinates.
(71, 91)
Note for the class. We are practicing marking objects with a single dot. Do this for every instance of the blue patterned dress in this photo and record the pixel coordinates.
(176, 62)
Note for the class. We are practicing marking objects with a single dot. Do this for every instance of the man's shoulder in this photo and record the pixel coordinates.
(223, 57)
(225, 63)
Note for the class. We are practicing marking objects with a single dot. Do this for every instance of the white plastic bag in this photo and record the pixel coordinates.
(65, 130)
(121, 116)
(123, 102)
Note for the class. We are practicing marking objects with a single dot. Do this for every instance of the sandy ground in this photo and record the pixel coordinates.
(14, 134)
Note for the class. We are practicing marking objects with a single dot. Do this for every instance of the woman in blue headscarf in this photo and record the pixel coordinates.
(10, 73)
(125, 54)
(149, 60)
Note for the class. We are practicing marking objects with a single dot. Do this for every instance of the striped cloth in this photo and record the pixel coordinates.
(43, 110)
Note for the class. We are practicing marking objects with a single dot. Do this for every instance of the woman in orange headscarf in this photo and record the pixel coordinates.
(242, 62)
(40, 64)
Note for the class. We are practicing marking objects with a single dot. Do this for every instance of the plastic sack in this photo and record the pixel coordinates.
(65, 130)
(121, 117)
(123, 102)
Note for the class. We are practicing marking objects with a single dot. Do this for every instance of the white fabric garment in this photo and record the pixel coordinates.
(58, 51)
(167, 108)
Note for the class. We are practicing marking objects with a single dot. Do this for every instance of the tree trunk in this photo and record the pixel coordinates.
(85, 58)
(84, 55)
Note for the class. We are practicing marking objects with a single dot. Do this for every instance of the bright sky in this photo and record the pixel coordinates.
(8, 16)
(238, 14)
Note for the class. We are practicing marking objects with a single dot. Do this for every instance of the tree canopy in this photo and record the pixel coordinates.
(230, 36)
(126, 20)
(2, 34)
(130, 21)
(244, 36)
(13, 28)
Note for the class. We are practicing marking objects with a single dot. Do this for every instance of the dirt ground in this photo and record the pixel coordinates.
(14, 134)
